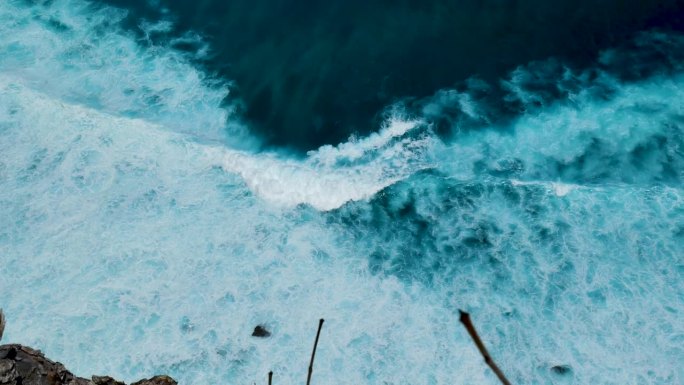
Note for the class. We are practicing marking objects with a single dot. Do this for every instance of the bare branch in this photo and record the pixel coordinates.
(2, 324)
(270, 377)
(465, 320)
(313, 353)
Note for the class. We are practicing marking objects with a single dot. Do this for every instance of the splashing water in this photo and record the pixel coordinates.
(141, 233)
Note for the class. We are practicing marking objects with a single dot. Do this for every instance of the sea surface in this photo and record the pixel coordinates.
(174, 173)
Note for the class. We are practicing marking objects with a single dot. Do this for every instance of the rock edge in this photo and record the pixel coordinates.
(21, 365)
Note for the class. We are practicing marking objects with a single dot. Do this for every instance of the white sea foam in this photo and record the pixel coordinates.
(332, 176)
(137, 255)
(81, 56)
(147, 259)
(560, 189)
(76, 52)
(130, 247)
(634, 137)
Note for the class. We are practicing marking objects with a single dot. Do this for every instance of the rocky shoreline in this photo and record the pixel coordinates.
(22, 365)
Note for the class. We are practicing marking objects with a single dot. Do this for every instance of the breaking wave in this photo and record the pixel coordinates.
(142, 231)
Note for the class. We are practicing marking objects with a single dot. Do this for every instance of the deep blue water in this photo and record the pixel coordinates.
(310, 73)
(173, 173)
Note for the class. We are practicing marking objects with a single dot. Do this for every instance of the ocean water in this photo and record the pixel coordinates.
(149, 221)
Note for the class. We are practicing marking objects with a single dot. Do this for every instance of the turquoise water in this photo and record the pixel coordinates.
(143, 229)
(310, 73)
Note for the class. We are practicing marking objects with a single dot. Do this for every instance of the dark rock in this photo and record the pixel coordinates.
(105, 380)
(561, 369)
(8, 372)
(21, 365)
(11, 354)
(26, 366)
(260, 331)
(157, 380)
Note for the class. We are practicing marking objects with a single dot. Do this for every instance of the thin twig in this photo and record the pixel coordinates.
(2, 323)
(465, 320)
(270, 377)
(313, 353)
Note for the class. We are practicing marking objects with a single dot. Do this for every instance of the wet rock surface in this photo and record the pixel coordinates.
(21, 365)
(561, 369)
(261, 332)
(157, 380)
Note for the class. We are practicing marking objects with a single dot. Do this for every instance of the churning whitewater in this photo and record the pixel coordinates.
(143, 231)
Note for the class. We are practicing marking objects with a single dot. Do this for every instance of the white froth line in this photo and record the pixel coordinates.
(560, 189)
(319, 181)
(286, 183)
(354, 149)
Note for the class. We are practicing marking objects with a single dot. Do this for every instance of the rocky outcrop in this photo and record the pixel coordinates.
(261, 332)
(21, 365)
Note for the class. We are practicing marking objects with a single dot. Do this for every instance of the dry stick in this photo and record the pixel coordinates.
(2, 323)
(313, 353)
(465, 320)
(270, 377)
